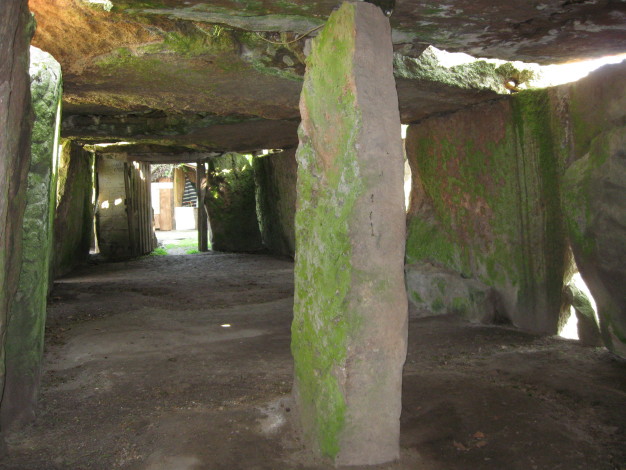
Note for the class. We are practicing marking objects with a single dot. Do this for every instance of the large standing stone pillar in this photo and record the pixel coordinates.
(275, 179)
(230, 204)
(350, 313)
(595, 194)
(73, 221)
(15, 127)
(27, 315)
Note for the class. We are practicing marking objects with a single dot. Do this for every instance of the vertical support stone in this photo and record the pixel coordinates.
(350, 313)
(230, 203)
(113, 223)
(27, 315)
(73, 223)
(486, 205)
(594, 199)
(203, 241)
(15, 130)
(275, 179)
(124, 222)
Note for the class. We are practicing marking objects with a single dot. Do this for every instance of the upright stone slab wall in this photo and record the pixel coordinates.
(350, 313)
(595, 192)
(230, 204)
(275, 178)
(73, 222)
(114, 238)
(27, 316)
(486, 204)
(15, 131)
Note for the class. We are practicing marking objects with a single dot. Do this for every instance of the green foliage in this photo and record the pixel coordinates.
(159, 251)
(509, 72)
(183, 243)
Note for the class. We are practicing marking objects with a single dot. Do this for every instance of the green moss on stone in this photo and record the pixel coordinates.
(73, 223)
(27, 313)
(496, 203)
(230, 203)
(328, 187)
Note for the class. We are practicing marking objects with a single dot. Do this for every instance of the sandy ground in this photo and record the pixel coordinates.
(141, 372)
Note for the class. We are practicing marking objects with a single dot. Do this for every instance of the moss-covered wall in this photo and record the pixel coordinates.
(27, 315)
(486, 203)
(595, 193)
(275, 179)
(230, 204)
(349, 326)
(15, 132)
(73, 223)
(124, 222)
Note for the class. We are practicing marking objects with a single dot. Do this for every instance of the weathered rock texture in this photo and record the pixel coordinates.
(587, 325)
(426, 86)
(73, 223)
(15, 132)
(350, 312)
(486, 203)
(111, 214)
(275, 177)
(230, 204)
(138, 202)
(494, 185)
(436, 290)
(546, 32)
(238, 65)
(124, 223)
(595, 193)
(27, 315)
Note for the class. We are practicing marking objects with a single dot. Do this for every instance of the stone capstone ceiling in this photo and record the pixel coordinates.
(171, 76)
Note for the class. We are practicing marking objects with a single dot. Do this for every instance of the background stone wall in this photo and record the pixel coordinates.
(275, 178)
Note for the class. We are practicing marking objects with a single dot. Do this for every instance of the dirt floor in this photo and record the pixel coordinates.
(141, 372)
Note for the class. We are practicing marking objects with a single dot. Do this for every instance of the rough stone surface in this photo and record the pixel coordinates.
(486, 203)
(350, 308)
(275, 178)
(595, 201)
(230, 204)
(73, 223)
(588, 330)
(438, 291)
(111, 213)
(27, 315)
(15, 132)
(426, 86)
(124, 221)
(244, 60)
(153, 133)
(549, 31)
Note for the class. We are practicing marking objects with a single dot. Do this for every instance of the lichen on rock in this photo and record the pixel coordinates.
(27, 314)
(230, 204)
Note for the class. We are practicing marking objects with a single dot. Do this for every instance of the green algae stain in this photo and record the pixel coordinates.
(230, 203)
(27, 314)
(496, 202)
(328, 187)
